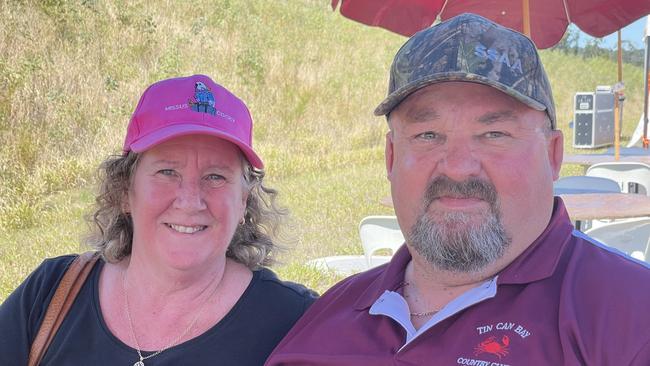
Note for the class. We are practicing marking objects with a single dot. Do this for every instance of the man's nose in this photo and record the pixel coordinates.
(459, 160)
(189, 196)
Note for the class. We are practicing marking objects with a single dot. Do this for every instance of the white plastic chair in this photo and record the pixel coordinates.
(376, 233)
(347, 264)
(631, 177)
(584, 184)
(629, 236)
(379, 232)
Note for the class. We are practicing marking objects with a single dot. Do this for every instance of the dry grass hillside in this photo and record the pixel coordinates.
(71, 73)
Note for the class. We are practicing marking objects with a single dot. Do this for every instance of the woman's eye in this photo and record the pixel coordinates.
(167, 172)
(215, 177)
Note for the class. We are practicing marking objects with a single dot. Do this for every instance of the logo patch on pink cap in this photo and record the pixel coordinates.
(203, 99)
(165, 112)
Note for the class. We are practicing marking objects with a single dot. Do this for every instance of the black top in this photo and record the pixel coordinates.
(245, 336)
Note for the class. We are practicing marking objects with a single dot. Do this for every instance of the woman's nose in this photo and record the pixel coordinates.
(189, 196)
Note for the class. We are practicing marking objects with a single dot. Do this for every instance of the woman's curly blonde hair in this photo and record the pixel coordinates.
(112, 232)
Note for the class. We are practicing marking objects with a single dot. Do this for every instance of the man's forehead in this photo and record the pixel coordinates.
(427, 104)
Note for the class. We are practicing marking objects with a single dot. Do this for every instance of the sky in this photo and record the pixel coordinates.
(633, 33)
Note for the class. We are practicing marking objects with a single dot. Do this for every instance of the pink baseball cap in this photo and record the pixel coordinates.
(187, 106)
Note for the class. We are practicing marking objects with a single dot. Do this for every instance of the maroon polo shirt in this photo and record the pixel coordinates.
(566, 300)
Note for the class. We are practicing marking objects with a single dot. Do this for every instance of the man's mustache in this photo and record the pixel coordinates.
(443, 186)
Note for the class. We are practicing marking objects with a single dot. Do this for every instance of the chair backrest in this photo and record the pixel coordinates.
(585, 184)
(379, 232)
(631, 177)
(628, 236)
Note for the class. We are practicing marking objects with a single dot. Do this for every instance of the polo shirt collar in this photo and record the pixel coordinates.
(535, 263)
(541, 258)
(391, 277)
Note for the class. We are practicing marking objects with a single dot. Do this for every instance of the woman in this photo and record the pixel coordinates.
(183, 229)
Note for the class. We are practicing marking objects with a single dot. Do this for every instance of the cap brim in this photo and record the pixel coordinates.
(164, 134)
(395, 98)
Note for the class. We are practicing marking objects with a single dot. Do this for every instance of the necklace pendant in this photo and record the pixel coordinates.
(139, 363)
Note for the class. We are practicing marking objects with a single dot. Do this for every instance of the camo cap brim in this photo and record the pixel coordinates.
(473, 49)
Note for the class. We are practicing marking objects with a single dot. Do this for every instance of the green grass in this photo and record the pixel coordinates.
(71, 73)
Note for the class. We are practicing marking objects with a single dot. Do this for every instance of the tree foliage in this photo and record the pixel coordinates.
(594, 47)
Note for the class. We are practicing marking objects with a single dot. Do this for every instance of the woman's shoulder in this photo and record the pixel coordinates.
(49, 272)
(27, 303)
(40, 285)
(286, 291)
(56, 264)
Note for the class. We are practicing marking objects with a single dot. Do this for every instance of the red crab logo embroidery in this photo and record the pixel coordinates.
(492, 346)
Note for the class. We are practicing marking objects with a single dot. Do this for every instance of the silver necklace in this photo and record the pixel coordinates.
(174, 342)
(413, 314)
(419, 315)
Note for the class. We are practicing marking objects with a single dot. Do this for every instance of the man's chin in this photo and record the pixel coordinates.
(459, 242)
(459, 220)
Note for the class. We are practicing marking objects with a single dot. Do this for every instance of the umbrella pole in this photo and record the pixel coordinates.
(617, 129)
(617, 105)
(646, 76)
(525, 11)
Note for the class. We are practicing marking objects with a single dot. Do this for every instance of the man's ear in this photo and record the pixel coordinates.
(389, 154)
(555, 152)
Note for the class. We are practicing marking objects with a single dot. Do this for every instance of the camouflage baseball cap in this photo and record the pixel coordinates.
(470, 48)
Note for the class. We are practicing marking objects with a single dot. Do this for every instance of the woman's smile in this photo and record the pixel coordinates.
(186, 229)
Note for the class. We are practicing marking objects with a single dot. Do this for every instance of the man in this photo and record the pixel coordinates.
(492, 272)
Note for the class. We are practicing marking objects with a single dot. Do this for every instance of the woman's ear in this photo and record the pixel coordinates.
(126, 208)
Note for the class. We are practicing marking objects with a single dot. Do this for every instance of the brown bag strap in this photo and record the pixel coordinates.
(61, 302)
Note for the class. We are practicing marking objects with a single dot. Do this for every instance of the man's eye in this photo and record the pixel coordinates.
(427, 135)
(494, 134)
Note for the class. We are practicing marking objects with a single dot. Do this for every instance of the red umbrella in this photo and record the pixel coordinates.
(546, 20)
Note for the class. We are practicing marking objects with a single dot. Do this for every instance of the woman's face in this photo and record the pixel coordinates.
(186, 199)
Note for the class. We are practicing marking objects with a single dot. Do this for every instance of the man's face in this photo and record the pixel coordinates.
(471, 171)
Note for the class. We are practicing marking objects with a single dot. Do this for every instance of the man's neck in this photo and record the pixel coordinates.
(429, 280)
(431, 288)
